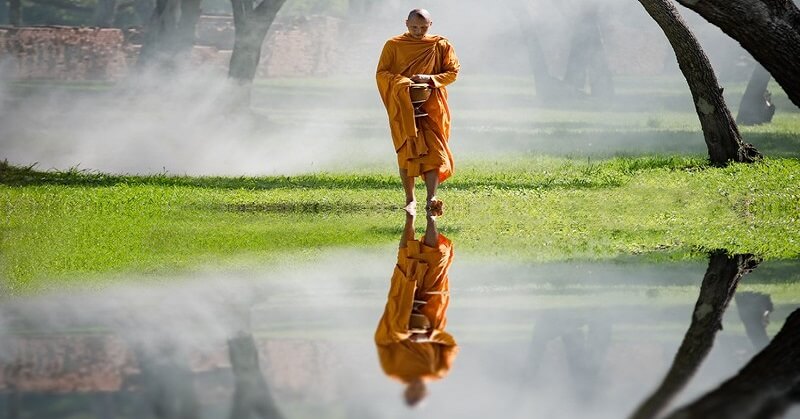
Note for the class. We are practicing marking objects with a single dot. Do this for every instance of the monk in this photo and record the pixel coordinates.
(412, 344)
(421, 145)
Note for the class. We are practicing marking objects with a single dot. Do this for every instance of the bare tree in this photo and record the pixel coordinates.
(768, 29)
(721, 134)
(251, 23)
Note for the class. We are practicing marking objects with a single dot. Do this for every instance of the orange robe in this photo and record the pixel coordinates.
(420, 146)
(421, 274)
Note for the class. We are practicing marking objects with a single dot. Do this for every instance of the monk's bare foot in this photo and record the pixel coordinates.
(435, 207)
(411, 208)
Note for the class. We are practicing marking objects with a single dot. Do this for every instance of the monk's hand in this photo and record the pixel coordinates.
(422, 78)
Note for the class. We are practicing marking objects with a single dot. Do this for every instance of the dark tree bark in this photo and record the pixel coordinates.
(170, 34)
(251, 394)
(764, 388)
(587, 59)
(722, 137)
(768, 29)
(251, 24)
(104, 13)
(15, 12)
(719, 285)
(756, 106)
(754, 309)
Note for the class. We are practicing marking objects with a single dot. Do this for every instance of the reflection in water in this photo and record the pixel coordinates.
(299, 343)
(412, 344)
(719, 285)
(763, 389)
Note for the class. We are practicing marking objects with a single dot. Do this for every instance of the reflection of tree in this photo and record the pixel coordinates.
(764, 388)
(585, 342)
(167, 382)
(754, 309)
(251, 395)
(719, 285)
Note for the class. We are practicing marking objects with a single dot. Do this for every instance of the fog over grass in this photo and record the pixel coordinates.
(177, 123)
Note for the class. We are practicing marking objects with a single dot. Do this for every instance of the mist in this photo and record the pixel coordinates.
(177, 123)
(314, 327)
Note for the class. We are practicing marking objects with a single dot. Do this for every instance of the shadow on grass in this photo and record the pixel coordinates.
(310, 207)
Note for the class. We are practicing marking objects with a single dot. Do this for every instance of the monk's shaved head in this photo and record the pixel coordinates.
(420, 13)
(418, 23)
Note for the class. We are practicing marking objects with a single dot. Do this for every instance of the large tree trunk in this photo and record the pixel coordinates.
(722, 137)
(170, 34)
(768, 29)
(763, 388)
(719, 285)
(104, 13)
(756, 106)
(251, 24)
(15, 12)
(251, 394)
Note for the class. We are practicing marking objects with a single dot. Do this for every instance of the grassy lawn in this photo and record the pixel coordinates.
(61, 227)
(533, 182)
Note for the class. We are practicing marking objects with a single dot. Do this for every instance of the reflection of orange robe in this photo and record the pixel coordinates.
(421, 274)
(424, 148)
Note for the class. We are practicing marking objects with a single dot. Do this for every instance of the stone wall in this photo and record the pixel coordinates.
(306, 46)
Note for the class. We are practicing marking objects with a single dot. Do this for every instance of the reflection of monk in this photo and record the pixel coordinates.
(412, 344)
(422, 150)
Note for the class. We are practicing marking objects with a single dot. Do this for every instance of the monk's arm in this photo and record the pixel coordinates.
(393, 326)
(450, 67)
(383, 74)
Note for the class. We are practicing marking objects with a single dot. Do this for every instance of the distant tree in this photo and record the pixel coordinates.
(756, 106)
(768, 29)
(586, 60)
(104, 13)
(721, 134)
(15, 12)
(170, 34)
(251, 23)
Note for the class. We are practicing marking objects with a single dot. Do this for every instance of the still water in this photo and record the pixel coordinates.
(365, 333)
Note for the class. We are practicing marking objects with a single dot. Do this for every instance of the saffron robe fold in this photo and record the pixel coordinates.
(420, 146)
(421, 273)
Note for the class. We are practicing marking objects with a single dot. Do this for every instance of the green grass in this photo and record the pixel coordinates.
(59, 228)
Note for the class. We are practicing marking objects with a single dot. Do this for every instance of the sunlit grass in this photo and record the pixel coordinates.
(76, 224)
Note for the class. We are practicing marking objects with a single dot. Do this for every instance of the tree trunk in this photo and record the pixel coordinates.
(719, 284)
(251, 25)
(251, 393)
(104, 13)
(754, 309)
(170, 34)
(15, 12)
(722, 137)
(587, 60)
(756, 106)
(763, 388)
(548, 88)
(768, 29)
